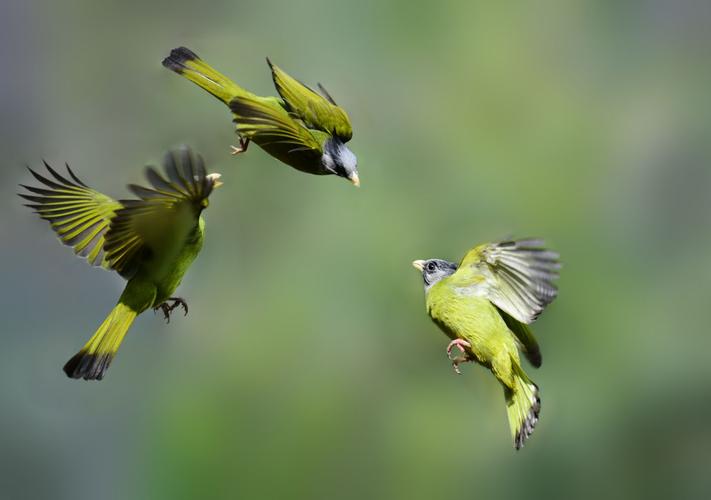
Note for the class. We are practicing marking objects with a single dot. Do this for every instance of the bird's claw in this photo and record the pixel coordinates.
(464, 357)
(178, 301)
(166, 311)
(243, 144)
(458, 361)
(460, 344)
(168, 308)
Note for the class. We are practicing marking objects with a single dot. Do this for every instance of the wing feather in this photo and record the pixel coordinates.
(525, 336)
(518, 276)
(78, 214)
(141, 225)
(271, 125)
(316, 110)
(117, 234)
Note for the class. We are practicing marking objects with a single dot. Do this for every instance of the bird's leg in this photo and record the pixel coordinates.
(166, 310)
(460, 344)
(464, 357)
(458, 361)
(243, 144)
(178, 301)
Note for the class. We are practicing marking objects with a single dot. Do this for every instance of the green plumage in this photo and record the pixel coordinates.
(151, 241)
(302, 128)
(484, 305)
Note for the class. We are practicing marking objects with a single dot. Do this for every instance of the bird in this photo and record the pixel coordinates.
(150, 241)
(485, 304)
(305, 129)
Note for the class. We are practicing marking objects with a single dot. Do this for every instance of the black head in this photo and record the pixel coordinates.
(339, 160)
(434, 270)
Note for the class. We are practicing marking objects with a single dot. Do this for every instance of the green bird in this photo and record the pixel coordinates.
(485, 304)
(150, 241)
(304, 129)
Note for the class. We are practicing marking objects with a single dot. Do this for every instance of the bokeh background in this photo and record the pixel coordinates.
(307, 367)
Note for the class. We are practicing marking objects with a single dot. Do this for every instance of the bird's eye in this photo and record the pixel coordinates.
(431, 266)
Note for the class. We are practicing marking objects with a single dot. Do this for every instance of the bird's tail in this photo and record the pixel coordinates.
(522, 406)
(185, 62)
(93, 360)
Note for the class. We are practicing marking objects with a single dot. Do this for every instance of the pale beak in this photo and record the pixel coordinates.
(355, 180)
(418, 264)
(215, 179)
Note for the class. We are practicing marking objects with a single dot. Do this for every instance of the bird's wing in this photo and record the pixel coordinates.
(315, 110)
(78, 214)
(525, 336)
(273, 126)
(517, 276)
(163, 215)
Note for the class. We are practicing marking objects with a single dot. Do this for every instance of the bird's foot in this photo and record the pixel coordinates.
(166, 311)
(458, 361)
(168, 308)
(460, 344)
(178, 301)
(463, 357)
(243, 144)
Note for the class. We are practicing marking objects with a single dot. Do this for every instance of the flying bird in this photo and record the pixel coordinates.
(150, 241)
(305, 129)
(485, 304)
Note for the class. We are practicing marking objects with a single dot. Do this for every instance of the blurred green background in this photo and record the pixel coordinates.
(307, 367)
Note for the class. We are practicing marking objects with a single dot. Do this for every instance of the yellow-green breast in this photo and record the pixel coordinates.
(462, 314)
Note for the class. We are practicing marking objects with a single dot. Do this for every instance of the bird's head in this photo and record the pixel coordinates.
(213, 182)
(185, 180)
(434, 270)
(340, 161)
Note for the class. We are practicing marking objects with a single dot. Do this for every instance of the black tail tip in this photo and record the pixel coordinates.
(88, 366)
(178, 57)
(528, 424)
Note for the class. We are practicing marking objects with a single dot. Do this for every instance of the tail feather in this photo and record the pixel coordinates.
(95, 357)
(185, 62)
(523, 406)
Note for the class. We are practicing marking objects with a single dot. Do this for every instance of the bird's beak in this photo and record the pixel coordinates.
(418, 264)
(355, 180)
(215, 179)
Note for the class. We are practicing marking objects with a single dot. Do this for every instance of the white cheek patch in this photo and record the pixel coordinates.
(348, 159)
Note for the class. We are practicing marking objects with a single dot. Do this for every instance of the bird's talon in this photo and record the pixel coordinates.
(463, 356)
(177, 301)
(243, 144)
(460, 344)
(168, 308)
(458, 361)
(166, 311)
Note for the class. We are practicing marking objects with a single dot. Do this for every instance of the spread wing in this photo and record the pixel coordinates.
(517, 276)
(272, 126)
(315, 110)
(78, 214)
(163, 216)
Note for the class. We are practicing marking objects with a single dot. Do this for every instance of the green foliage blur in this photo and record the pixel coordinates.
(307, 367)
